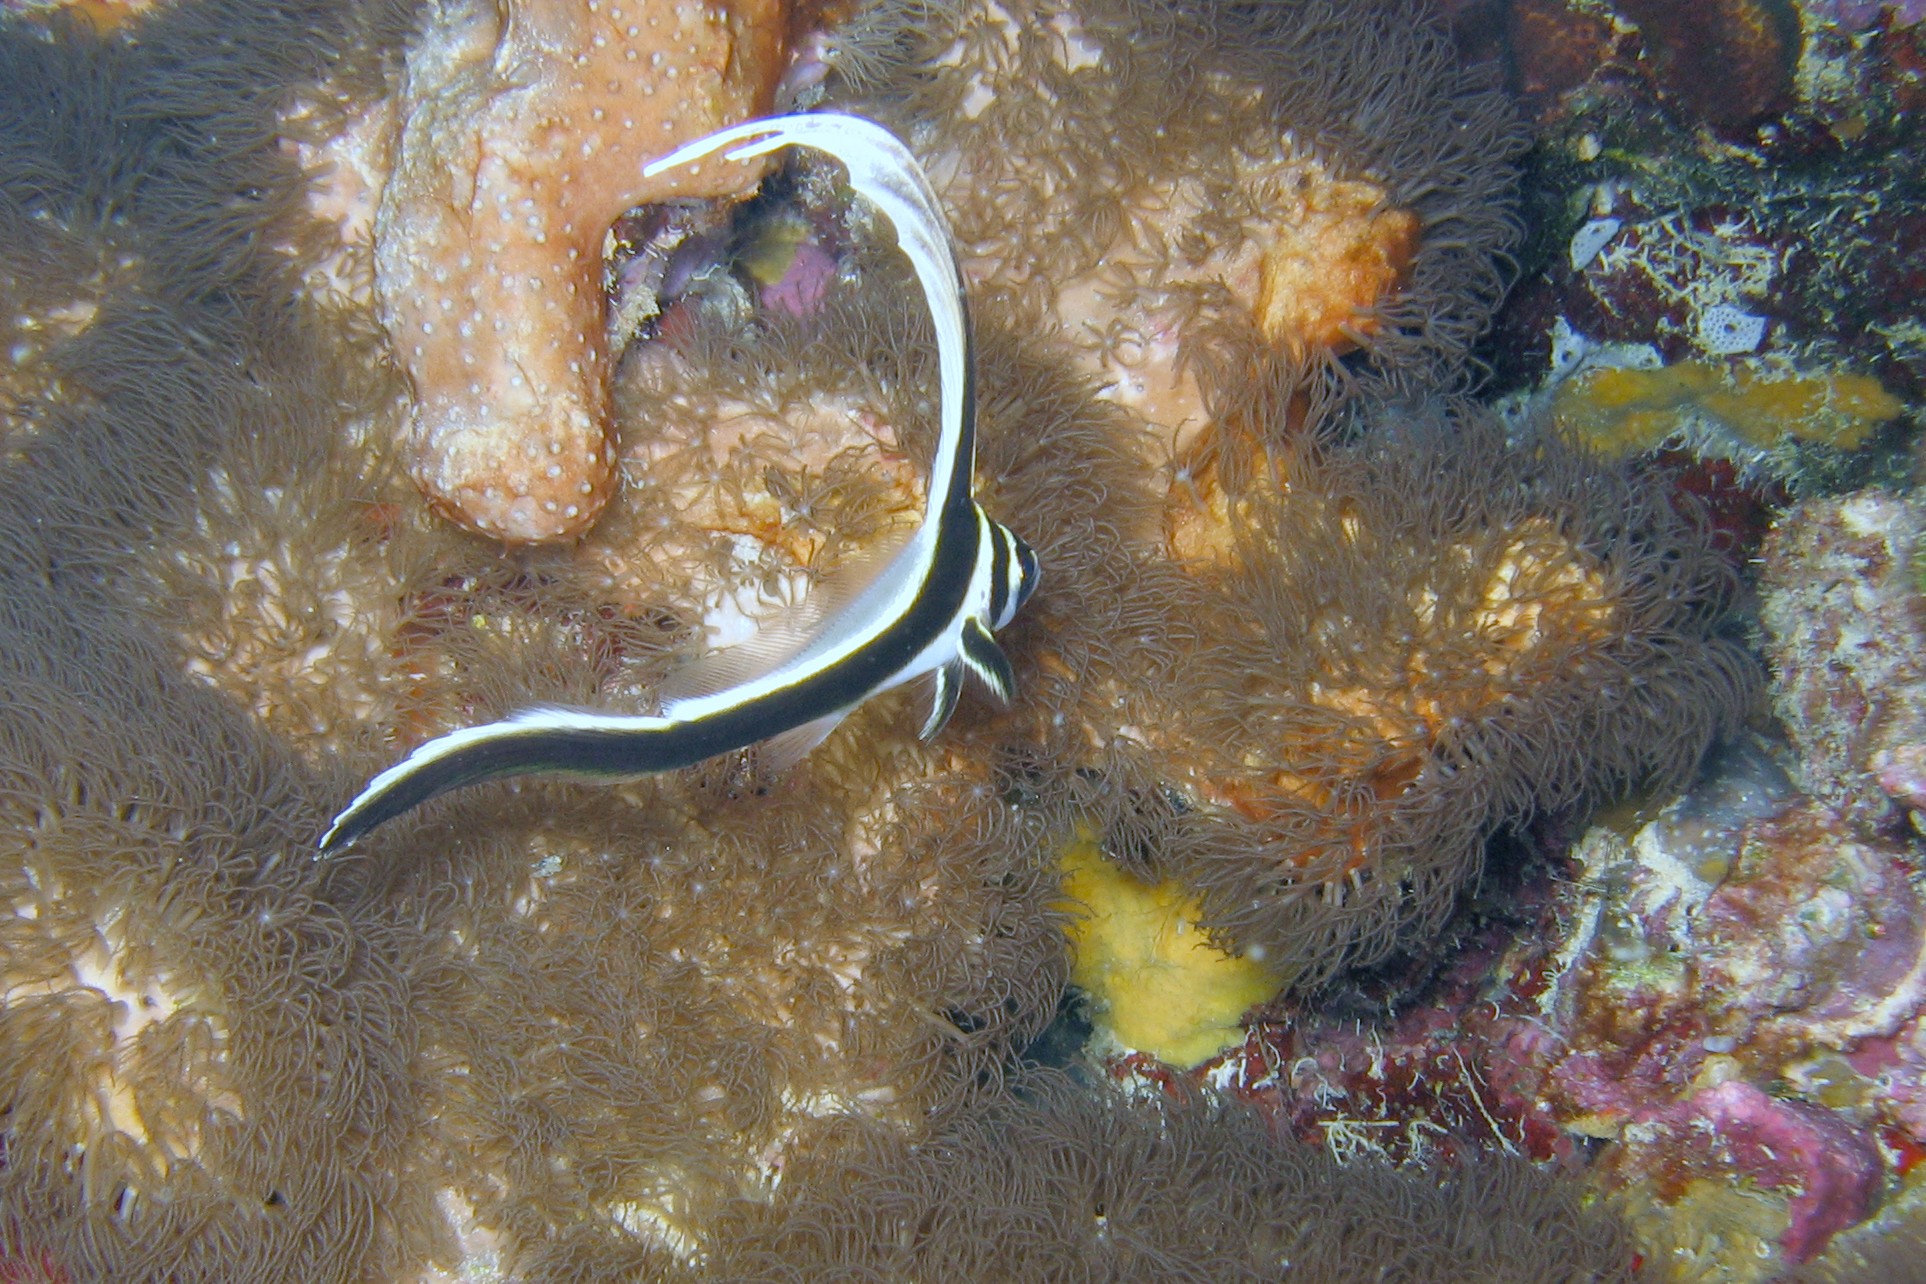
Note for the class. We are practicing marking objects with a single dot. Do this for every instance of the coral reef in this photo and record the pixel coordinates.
(1688, 282)
(1738, 412)
(219, 1054)
(1330, 815)
(1840, 602)
(181, 983)
(1721, 1002)
(1738, 960)
(1729, 62)
(1325, 809)
(103, 15)
(522, 136)
(1673, 333)
(1548, 47)
(1857, 15)
(1310, 644)
(1061, 1183)
(1667, 234)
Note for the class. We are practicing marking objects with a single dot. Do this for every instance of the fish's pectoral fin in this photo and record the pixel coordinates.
(979, 653)
(781, 752)
(946, 684)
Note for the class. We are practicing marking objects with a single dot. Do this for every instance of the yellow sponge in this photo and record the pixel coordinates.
(1156, 981)
(1621, 411)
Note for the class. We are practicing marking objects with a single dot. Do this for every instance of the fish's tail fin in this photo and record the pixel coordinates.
(541, 741)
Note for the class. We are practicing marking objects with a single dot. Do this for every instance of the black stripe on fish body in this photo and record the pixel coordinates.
(1015, 574)
(962, 487)
(946, 685)
(838, 689)
(999, 570)
(1023, 570)
(518, 746)
(526, 745)
(1024, 574)
(933, 612)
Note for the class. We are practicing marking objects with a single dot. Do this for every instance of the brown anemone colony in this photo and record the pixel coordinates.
(1304, 640)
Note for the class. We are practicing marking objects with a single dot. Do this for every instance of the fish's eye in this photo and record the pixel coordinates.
(1027, 572)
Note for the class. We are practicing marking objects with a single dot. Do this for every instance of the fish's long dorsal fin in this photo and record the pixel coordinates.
(837, 606)
(885, 172)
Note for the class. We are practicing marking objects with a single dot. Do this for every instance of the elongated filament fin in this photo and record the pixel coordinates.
(538, 741)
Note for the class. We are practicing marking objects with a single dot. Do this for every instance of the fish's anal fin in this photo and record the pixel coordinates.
(979, 653)
(946, 684)
(779, 753)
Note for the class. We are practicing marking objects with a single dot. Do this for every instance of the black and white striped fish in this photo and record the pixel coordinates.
(931, 608)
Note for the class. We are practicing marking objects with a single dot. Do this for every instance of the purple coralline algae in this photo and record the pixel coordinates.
(1858, 15)
(1719, 1010)
(1734, 964)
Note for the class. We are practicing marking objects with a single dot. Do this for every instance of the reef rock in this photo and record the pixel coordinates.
(1743, 953)
(1841, 607)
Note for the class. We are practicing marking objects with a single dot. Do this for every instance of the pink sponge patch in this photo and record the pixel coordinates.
(802, 287)
(1785, 1144)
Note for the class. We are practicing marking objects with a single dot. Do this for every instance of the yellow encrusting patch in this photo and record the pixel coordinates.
(1624, 411)
(1158, 983)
